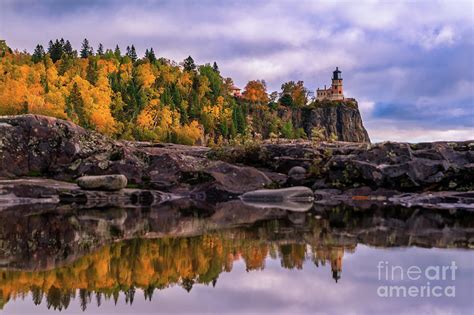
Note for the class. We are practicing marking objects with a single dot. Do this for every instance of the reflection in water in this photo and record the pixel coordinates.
(155, 264)
(59, 254)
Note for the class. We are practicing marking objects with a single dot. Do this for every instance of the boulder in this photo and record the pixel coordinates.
(102, 182)
(297, 172)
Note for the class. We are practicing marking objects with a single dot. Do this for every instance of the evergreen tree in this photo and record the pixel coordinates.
(92, 73)
(189, 64)
(100, 50)
(134, 97)
(38, 54)
(75, 106)
(55, 50)
(215, 67)
(117, 52)
(239, 119)
(151, 55)
(86, 50)
(109, 54)
(67, 62)
(50, 46)
(131, 53)
(68, 49)
(286, 100)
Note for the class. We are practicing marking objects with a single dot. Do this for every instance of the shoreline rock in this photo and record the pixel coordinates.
(103, 182)
(34, 145)
(32, 191)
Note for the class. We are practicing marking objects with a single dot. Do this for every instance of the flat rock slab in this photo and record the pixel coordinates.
(103, 182)
(292, 198)
(31, 191)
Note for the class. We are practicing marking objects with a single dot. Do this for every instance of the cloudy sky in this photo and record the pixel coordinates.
(409, 64)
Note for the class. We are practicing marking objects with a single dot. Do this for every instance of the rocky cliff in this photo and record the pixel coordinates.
(339, 119)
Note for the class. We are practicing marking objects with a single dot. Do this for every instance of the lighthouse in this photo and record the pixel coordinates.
(335, 93)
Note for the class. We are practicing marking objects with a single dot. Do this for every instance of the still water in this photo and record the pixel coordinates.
(231, 258)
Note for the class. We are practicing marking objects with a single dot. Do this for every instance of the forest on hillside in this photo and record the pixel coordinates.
(152, 99)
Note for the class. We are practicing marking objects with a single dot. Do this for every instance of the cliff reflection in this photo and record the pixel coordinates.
(58, 254)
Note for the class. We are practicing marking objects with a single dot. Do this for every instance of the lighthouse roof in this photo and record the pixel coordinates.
(336, 74)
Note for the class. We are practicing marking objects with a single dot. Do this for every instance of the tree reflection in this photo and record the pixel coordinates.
(150, 264)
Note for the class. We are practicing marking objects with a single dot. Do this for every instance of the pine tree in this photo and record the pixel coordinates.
(117, 52)
(215, 67)
(286, 100)
(38, 54)
(92, 73)
(55, 50)
(151, 56)
(131, 53)
(189, 64)
(67, 62)
(86, 50)
(100, 50)
(75, 106)
(239, 119)
(68, 49)
(50, 46)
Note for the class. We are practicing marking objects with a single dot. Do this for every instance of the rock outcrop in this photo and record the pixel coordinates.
(32, 145)
(334, 119)
(399, 166)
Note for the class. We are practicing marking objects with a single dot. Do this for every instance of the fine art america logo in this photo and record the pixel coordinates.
(415, 281)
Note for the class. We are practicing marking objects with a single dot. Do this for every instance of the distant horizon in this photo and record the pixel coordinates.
(409, 65)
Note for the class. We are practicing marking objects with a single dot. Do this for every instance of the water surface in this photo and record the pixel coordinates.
(230, 258)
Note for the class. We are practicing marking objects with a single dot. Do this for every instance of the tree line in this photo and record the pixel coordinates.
(150, 98)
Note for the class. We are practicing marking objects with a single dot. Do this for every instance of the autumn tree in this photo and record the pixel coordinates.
(256, 92)
(297, 91)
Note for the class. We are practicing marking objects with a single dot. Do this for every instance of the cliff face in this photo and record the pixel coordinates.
(343, 121)
(338, 119)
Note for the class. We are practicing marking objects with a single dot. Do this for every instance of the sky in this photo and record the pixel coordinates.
(408, 63)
